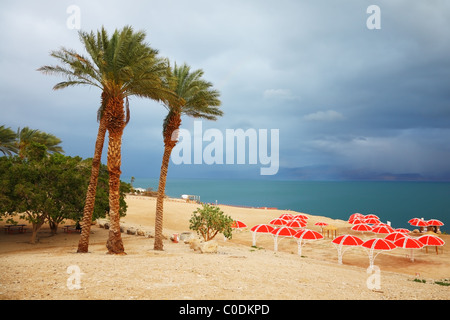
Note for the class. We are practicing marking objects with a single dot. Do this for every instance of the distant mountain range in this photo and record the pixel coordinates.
(340, 173)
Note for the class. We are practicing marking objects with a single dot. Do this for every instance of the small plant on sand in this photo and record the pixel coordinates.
(209, 220)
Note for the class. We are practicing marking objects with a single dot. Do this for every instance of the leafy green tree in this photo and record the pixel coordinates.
(120, 66)
(200, 101)
(209, 220)
(51, 189)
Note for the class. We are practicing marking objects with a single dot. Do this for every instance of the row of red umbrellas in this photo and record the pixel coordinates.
(419, 222)
(302, 235)
(390, 242)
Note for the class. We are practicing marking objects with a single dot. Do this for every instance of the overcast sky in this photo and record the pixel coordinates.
(341, 94)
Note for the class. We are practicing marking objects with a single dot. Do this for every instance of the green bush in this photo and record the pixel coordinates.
(209, 220)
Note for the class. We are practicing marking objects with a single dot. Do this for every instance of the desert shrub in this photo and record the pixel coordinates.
(209, 220)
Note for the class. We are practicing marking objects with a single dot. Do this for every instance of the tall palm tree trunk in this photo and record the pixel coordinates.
(115, 117)
(83, 244)
(173, 124)
(160, 200)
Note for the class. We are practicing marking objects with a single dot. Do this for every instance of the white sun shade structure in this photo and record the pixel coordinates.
(261, 229)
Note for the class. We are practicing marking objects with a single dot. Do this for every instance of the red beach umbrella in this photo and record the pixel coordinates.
(299, 223)
(409, 243)
(278, 222)
(394, 236)
(402, 230)
(345, 240)
(371, 221)
(356, 215)
(321, 224)
(379, 245)
(431, 240)
(371, 216)
(238, 224)
(362, 227)
(286, 216)
(284, 232)
(416, 222)
(435, 222)
(383, 229)
(261, 228)
(357, 221)
(306, 235)
(300, 216)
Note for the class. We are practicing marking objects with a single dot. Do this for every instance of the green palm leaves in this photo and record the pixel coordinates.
(17, 142)
(7, 141)
(123, 65)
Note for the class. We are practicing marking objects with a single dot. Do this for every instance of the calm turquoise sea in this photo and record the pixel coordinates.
(391, 201)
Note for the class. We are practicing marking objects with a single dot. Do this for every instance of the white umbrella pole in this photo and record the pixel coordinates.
(254, 239)
(340, 253)
(275, 244)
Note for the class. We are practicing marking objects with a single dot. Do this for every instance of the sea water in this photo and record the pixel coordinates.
(392, 201)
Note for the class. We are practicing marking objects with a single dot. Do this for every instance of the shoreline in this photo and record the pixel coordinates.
(237, 271)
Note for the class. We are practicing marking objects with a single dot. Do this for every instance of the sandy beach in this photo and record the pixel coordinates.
(236, 271)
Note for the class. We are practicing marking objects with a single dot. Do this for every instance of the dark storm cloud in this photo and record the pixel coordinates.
(339, 92)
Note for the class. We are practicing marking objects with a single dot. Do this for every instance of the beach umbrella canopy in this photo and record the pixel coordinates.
(402, 230)
(409, 243)
(395, 236)
(346, 240)
(306, 235)
(261, 228)
(371, 216)
(357, 221)
(431, 240)
(238, 224)
(299, 223)
(356, 215)
(286, 216)
(416, 222)
(300, 216)
(435, 223)
(377, 245)
(284, 232)
(362, 227)
(278, 222)
(321, 224)
(383, 229)
(371, 220)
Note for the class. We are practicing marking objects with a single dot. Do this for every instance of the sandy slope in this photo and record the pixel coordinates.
(237, 271)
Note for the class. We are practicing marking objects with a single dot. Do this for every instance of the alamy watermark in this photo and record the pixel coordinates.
(229, 148)
(373, 281)
(74, 280)
(374, 20)
(74, 19)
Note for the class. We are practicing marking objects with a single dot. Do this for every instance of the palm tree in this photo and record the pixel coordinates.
(200, 101)
(7, 141)
(26, 136)
(120, 66)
